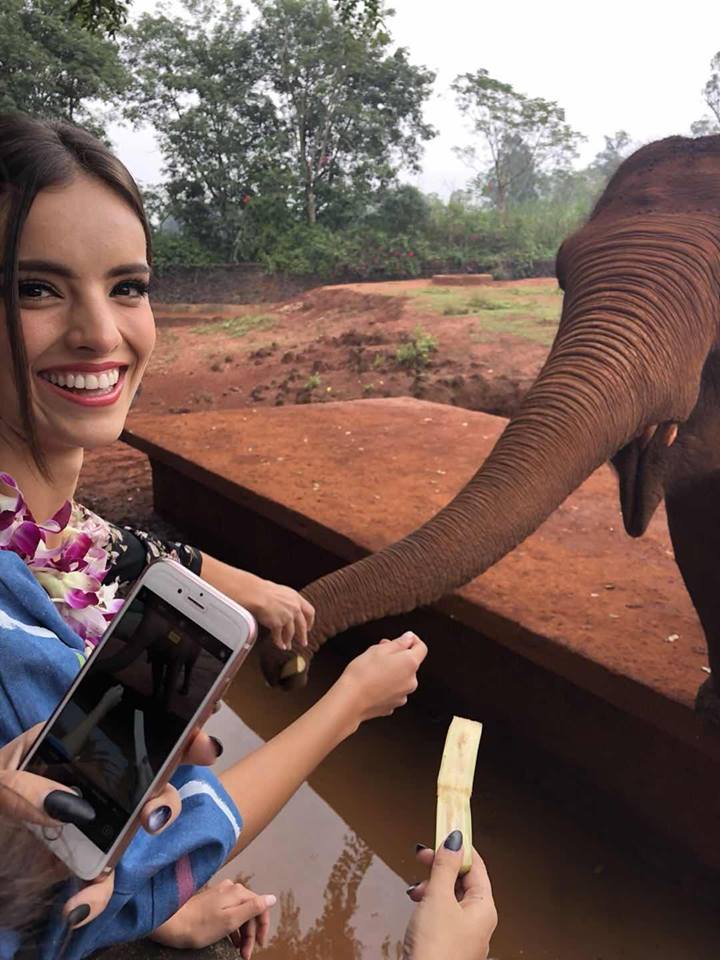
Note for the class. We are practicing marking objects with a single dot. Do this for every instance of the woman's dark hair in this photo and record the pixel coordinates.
(29, 877)
(35, 154)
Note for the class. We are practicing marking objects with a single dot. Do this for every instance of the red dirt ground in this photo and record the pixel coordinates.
(331, 343)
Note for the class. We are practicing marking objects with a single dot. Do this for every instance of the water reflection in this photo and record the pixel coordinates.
(337, 900)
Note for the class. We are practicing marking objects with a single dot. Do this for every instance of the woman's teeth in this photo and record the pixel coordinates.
(84, 381)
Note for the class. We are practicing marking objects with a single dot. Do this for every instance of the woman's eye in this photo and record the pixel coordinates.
(34, 290)
(131, 288)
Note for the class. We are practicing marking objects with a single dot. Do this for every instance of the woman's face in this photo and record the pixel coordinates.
(86, 319)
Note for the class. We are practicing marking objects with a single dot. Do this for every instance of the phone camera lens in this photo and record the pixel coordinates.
(179, 589)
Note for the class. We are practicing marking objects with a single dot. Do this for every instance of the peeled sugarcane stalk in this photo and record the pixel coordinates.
(293, 667)
(454, 785)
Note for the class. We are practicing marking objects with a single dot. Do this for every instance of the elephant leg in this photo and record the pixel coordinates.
(693, 513)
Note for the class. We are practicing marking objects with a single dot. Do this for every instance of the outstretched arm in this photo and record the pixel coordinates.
(372, 685)
(279, 609)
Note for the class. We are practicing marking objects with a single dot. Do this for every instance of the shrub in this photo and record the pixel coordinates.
(415, 353)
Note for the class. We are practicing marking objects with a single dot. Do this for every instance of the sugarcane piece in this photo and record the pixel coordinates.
(294, 666)
(454, 785)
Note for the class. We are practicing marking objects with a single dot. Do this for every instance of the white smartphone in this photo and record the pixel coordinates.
(155, 677)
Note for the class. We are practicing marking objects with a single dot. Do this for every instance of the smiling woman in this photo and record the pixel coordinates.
(76, 320)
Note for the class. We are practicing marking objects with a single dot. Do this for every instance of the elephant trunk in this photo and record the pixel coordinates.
(619, 363)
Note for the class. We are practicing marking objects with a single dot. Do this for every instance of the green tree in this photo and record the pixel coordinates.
(197, 81)
(53, 68)
(523, 136)
(100, 16)
(350, 105)
(617, 148)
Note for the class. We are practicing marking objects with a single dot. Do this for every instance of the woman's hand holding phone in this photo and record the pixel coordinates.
(33, 799)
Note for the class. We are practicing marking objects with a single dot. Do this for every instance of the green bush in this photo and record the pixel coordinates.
(177, 249)
(415, 353)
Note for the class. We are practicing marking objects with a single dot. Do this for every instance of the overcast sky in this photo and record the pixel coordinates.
(637, 65)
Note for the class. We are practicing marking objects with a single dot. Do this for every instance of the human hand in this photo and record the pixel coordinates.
(281, 610)
(257, 925)
(455, 916)
(34, 799)
(382, 678)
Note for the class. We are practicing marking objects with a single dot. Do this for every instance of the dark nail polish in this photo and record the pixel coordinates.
(77, 915)
(68, 808)
(412, 887)
(158, 818)
(421, 846)
(218, 747)
(454, 841)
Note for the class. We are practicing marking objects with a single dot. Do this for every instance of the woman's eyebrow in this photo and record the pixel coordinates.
(49, 266)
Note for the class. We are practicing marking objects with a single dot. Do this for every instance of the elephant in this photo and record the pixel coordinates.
(632, 377)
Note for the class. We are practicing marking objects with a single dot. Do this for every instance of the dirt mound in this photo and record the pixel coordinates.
(342, 302)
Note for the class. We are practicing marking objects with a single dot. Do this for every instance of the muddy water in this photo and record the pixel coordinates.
(341, 854)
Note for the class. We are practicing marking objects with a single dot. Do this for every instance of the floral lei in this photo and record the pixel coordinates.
(71, 573)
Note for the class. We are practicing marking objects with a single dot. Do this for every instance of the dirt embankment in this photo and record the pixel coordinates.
(331, 343)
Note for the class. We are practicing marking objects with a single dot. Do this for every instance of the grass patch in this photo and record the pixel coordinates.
(530, 312)
(237, 326)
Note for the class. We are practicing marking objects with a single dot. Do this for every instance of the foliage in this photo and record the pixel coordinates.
(351, 109)
(710, 124)
(364, 15)
(196, 81)
(359, 253)
(298, 117)
(313, 382)
(179, 249)
(525, 137)
(52, 68)
(415, 353)
(100, 16)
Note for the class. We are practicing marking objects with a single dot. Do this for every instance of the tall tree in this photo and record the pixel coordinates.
(617, 147)
(523, 137)
(197, 81)
(710, 123)
(351, 106)
(53, 68)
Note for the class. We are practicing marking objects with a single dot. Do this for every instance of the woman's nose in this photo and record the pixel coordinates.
(93, 327)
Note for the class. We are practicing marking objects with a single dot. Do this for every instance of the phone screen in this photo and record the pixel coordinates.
(128, 712)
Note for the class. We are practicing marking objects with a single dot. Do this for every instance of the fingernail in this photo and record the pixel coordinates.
(270, 900)
(218, 747)
(412, 887)
(68, 808)
(77, 915)
(158, 818)
(421, 846)
(454, 841)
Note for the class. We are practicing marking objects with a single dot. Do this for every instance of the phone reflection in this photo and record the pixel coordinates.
(130, 709)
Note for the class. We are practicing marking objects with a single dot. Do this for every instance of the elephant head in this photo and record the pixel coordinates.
(625, 375)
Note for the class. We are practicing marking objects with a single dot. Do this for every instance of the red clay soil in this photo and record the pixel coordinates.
(579, 589)
(343, 336)
(331, 343)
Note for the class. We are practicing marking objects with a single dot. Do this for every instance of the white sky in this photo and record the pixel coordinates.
(638, 65)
